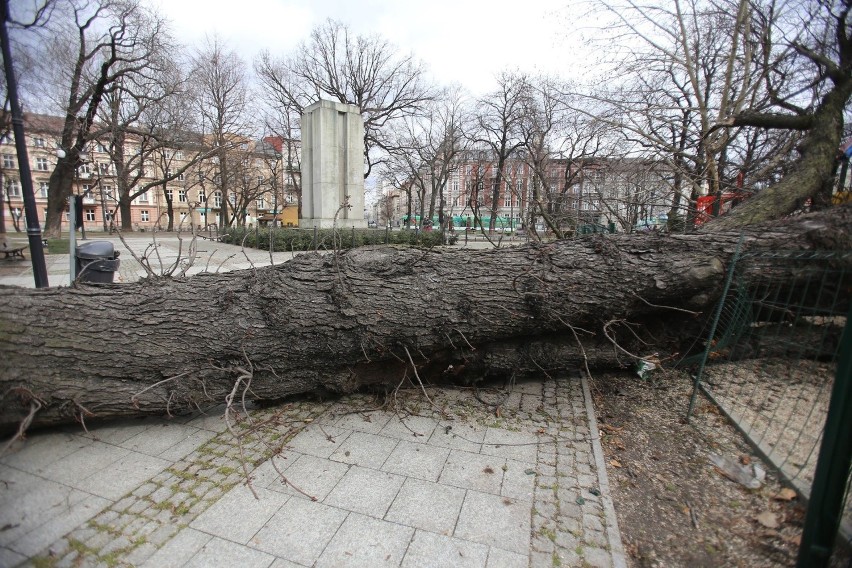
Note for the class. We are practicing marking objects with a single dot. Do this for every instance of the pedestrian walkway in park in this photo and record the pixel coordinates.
(508, 475)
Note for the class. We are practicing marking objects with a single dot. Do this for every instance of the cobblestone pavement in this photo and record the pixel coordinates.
(496, 477)
(461, 477)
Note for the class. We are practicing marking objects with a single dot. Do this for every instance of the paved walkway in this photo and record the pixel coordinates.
(497, 477)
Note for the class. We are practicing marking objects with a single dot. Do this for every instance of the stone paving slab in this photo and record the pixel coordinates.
(333, 484)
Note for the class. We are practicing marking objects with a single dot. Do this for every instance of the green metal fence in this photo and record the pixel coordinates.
(770, 364)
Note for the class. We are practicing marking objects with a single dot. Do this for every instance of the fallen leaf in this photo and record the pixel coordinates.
(786, 494)
(488, 469)
(615, 463)
(795, 539)
(768, 520)
(745, 460)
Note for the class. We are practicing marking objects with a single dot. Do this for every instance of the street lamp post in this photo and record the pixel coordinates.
(33, 227)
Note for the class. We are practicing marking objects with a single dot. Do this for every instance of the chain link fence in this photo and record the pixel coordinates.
(771, 357)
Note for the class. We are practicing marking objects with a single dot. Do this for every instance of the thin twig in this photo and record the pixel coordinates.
(417, 376)
(665, 307)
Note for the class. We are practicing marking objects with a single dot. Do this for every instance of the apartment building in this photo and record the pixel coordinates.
(624, 194)
(262, 181)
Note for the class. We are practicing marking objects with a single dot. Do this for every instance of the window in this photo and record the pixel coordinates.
(13, 187)
(90, 214)
(108, 216)
(8, 161)
(259, 203)
(100, 147)
(201, 196)
(183, 217)
(41, 164)
(42, 189)
(507, 200)
(6, 139)
(291, 198)
(182, 195)
(103, 168)
(85, 169)
(38, 142)
(260, 180)
(108, 191)
(143, 197)
(87, 190)
(181, 176)
(144, 216)
(178, 155)
(169, 195)
(217, 200)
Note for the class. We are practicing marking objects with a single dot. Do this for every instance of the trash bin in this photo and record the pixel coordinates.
(96, 261)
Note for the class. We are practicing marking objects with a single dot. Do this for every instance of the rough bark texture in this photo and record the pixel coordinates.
(337, 322)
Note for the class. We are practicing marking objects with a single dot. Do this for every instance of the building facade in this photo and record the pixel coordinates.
(262, 184)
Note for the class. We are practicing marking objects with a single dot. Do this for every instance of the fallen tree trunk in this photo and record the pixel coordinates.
(371, 316)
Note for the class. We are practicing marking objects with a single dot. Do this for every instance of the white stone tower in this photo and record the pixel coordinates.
(332, 165)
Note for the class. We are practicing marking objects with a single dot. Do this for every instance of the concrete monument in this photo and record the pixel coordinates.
(332, 165)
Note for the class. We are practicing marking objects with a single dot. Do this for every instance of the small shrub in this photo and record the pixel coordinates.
(288, 239)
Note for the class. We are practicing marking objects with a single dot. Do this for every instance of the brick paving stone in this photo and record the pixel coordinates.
(429, 549)
(597, 557)
(365, 541)
(116, 544)
(596, 538)
(426, 505)
(140, 554)
(499, 558)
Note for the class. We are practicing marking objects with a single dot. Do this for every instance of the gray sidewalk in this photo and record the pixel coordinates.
(162, 254)
(497, 477)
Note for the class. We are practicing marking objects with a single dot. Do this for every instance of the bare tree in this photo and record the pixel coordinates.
(499, 127)
(823, 47)
(559, 144)
(365, 71)
(136, 125)
(426, 152)
(706, 75)
(219, 81)
(85, 50)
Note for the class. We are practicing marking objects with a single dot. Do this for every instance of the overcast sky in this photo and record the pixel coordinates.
(464, 41)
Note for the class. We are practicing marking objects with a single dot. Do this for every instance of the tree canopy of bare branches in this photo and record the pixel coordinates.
(365, 71)
(88, 50)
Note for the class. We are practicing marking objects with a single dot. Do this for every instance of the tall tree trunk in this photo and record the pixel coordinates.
(337, 322)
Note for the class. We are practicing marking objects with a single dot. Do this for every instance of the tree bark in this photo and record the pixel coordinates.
(367, 317)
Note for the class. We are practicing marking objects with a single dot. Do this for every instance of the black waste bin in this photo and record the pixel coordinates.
(96, 261)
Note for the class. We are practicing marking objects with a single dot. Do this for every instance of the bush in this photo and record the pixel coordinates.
(288, 239)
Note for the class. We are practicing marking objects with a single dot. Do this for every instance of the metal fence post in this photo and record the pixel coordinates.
(715, 323)
(826, 505)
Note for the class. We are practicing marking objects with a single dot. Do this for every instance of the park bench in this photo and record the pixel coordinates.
(14, 252)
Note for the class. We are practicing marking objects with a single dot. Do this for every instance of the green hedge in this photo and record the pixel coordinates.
(303, 239)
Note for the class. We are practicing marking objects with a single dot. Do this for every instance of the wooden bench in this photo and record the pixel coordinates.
(14, 252)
